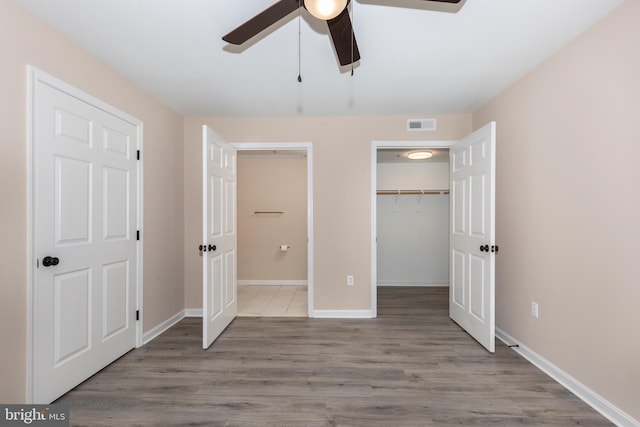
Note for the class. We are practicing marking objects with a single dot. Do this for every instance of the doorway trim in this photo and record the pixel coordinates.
(307, 147)
(35, 76)
(375, 146)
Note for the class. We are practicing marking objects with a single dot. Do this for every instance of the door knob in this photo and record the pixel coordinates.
(484, 248)
(495, 248)
(49, 261)
(205, 248)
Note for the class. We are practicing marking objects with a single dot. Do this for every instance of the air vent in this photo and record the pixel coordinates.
(422, 124)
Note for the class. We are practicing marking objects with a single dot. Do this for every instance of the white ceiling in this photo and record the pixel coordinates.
(418, 58)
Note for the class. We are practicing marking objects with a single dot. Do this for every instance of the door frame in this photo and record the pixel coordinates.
(34, 77)
(308, 148)
(375, 146)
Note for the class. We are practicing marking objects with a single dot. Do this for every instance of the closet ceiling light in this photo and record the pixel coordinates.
(420, 155)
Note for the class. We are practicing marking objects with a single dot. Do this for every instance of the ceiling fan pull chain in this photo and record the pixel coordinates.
(353, 23)
(299, 43)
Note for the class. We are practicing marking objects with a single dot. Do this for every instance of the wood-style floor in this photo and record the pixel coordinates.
(411, 366)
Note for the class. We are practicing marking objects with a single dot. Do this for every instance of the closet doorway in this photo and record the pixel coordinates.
(410, 216)
(274, 224)
(472, 245)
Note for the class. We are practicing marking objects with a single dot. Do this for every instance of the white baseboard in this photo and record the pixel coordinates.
(273, 282)
(412, 284)
(157, 330)
(341, 314)
(192, 312)
(590, 397)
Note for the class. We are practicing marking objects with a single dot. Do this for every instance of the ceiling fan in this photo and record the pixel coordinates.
(334, 12)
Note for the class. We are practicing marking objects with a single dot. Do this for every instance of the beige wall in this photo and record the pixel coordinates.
(568, 208)
(24, 40)
(268, 183)
(342, 199)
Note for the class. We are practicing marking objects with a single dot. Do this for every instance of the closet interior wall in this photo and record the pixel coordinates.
(413, 224)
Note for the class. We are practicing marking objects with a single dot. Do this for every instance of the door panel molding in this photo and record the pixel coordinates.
(219, 238)
(78, 131)
(471, 263)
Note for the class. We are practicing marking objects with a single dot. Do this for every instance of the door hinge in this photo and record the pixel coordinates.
(137, 234)
(138, 155)
(137, 314)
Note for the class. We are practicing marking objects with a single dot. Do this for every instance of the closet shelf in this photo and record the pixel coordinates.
(403, 192)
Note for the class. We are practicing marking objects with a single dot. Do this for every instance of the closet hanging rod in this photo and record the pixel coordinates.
(403, 192)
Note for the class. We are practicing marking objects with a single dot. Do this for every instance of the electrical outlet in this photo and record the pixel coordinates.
(350, 280)
(534, 309)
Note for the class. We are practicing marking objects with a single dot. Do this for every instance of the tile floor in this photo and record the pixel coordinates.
(272, 301)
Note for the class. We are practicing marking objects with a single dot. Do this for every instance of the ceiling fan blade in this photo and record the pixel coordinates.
(261, 21)
(447, 1)
(344, 41)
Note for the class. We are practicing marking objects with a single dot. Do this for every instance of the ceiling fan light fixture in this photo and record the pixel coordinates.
(420, 155)
(325, 9)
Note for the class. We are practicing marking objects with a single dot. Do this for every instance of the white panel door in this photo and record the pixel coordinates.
(219, 249)
(85, 218)
(472, 256)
